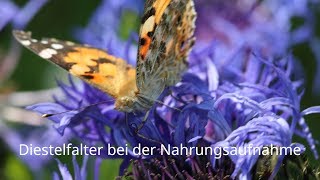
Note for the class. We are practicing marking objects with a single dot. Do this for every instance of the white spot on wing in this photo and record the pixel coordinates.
(69, 43)
(47, 53)
(34, 40)
(44, 42)
(148, 25)
(56, 46)
(25, 42)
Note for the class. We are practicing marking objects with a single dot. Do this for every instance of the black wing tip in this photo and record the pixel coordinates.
(20, 34)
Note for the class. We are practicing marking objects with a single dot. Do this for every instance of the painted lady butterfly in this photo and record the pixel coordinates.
(166, 38)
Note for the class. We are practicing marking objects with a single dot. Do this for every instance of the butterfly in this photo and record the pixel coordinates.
(165, 40)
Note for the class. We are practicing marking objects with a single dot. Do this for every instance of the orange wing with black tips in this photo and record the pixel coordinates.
(109, 73)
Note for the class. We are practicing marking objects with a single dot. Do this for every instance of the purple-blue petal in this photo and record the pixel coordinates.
(64, 171)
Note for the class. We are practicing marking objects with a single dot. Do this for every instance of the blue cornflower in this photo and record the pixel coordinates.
(104, 27)
(32, 136)
(19, 18)
(235, 93)
(7, 11)
(79, 172)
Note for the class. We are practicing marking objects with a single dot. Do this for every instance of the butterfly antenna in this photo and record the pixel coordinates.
(148, 139)
(81, 108)
(160, 102)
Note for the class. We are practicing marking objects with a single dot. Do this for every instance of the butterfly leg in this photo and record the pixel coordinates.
(137, 129)
(143, 122)
(127, 123)
(134, 126)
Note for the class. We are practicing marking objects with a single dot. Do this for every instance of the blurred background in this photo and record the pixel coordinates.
(31, 76)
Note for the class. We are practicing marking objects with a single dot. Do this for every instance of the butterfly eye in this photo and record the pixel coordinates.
(124, 104)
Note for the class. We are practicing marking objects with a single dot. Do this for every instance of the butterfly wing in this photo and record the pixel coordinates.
(95, 66)
(166, 38)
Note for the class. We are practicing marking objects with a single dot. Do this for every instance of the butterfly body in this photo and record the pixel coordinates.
(166, 38)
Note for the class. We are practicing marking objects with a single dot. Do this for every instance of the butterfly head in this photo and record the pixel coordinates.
(136, 103)
(125, 104)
